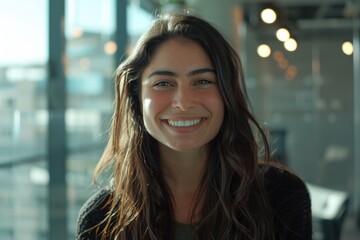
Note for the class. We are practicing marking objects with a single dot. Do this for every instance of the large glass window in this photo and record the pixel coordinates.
(23, 121)
(90, 54)
(90, 50)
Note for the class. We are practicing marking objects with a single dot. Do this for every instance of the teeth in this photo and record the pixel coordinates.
(187, 123)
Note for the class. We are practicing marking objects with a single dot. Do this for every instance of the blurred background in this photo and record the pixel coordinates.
(57, 59)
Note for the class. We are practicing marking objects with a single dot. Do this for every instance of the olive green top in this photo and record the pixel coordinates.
(288, 198)
(184, 231)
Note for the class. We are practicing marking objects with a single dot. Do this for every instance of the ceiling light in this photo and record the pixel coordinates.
(283, 63)
(347, 48)
(110, 47)
(278, 56)
(282, 34)
(264, 50)
(290, 45)
(268, 15)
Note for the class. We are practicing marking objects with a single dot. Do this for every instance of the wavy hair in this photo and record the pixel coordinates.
(236, 205)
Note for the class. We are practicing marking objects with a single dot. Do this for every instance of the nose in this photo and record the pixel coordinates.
(184, 98)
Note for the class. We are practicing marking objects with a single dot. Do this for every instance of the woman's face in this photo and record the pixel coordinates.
(181, 103)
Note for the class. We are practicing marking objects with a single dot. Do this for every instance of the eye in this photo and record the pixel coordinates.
(204, 82)
(163, 84)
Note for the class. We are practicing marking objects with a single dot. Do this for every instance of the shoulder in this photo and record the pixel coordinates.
(278, 179)
(92, 214)
(290, 202)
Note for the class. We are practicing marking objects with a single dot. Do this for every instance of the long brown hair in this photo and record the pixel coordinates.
(236, 205)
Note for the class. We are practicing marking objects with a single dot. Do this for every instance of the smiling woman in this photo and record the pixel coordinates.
(181, 104)
(183, 149)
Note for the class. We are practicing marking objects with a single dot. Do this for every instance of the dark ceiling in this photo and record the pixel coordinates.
(307, 14)
(300, 15)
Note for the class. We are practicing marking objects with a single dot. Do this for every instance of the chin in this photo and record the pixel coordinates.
(185, 147)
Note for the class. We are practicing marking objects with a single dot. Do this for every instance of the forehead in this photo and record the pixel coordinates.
(179, 52)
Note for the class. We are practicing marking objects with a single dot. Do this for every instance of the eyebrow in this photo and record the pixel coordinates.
(191, 73)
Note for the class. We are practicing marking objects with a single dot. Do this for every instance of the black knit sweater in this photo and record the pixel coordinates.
(287, 194)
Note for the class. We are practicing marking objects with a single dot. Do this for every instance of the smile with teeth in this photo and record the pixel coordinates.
(183, 123)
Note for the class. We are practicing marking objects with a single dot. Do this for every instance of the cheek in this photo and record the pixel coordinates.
(215, 102)
(152, 105)
(147, 111)
(146, 102)
(151, 114)
(220, 113)
(145, 105)
(153, 101)
(218, 108)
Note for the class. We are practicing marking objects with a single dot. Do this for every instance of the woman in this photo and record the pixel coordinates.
(183, 152)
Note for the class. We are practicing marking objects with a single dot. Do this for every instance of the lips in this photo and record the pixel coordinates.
(184, 123)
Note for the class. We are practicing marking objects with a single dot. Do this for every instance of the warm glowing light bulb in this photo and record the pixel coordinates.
(268, 15)
(264, 50)
(282, 34)
(347, 48)
(290, 45)
(283, 63)
(110, 47)
(77, 32)
(278, 56)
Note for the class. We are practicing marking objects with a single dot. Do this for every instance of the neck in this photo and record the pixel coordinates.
(183, 172)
